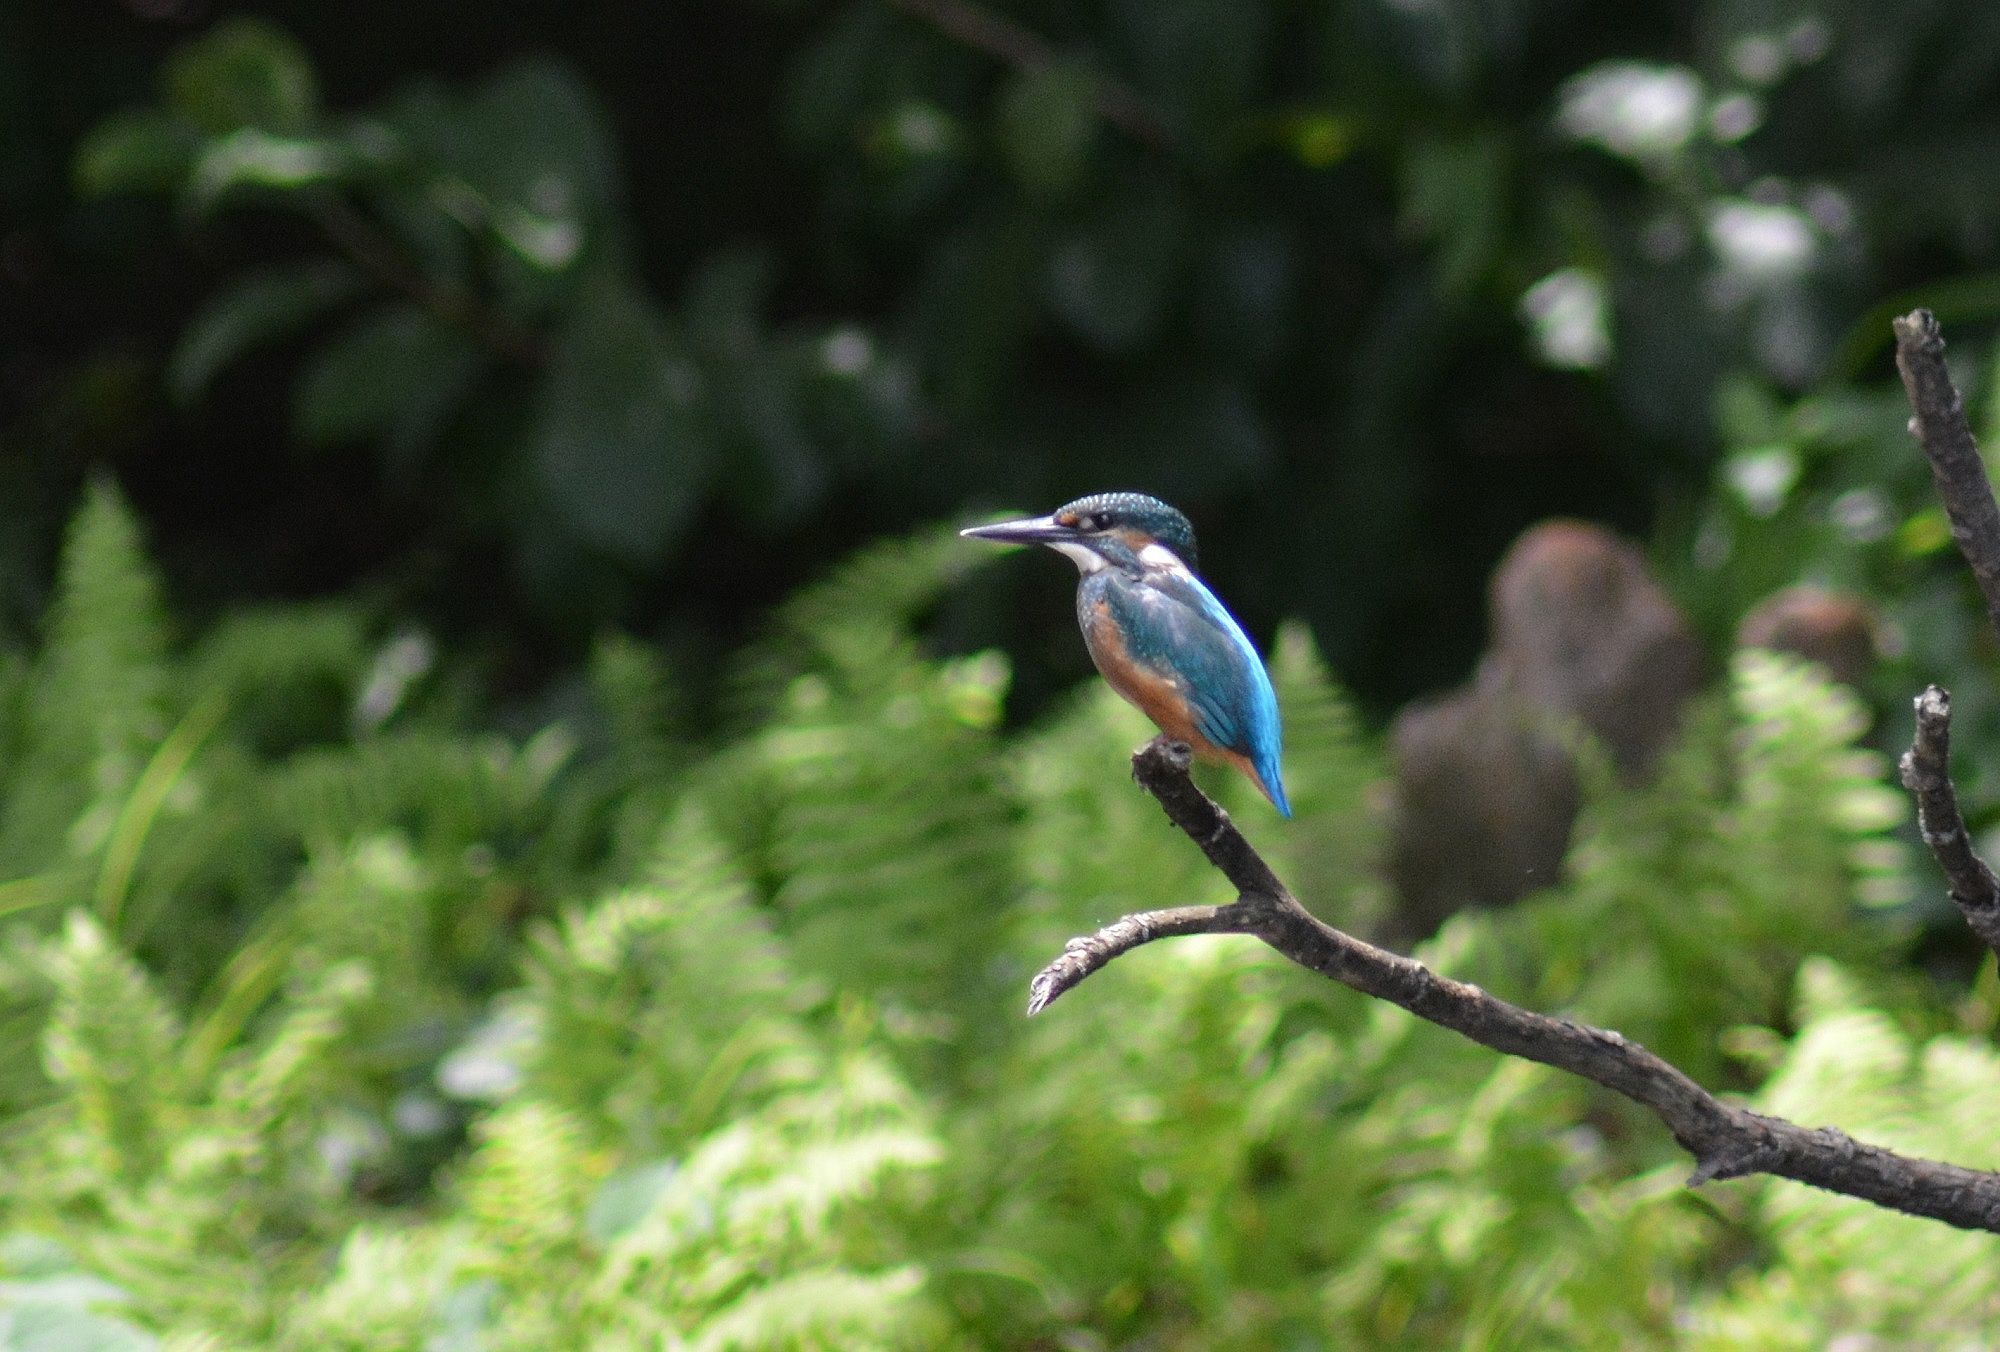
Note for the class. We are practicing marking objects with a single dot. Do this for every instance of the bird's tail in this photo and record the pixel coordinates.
(1272, 786)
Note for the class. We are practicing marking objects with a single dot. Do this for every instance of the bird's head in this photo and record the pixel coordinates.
(1115, 529)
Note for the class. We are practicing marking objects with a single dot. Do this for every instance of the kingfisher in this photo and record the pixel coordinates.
(1157, 633)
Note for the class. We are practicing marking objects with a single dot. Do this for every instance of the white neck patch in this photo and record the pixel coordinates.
(1159, 556)
(1086, 559)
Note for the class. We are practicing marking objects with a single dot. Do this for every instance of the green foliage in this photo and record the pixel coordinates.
(394, 374)
(109, 1045)
(244, 74)
(619, 390)
(1842, 1268)
(399, 1034)
(1244, 253)
(492, 217)
(343, 1007)
(93, 704)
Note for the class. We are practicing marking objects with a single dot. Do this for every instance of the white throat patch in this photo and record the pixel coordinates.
(1160, 557)
(1086, 559)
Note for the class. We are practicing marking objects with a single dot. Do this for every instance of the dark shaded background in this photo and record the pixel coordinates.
(1294, 306)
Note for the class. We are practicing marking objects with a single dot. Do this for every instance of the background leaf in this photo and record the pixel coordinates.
(245, 74)
(1046, 122)
(398, 372)
(141, 150)
(620, 446)
(260, 309)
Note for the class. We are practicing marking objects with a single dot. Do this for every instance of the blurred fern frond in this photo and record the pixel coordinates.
(395, 1032)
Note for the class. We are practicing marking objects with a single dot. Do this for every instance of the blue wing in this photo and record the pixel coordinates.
(1175, 625)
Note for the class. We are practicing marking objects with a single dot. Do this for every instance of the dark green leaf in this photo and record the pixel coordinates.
(1047, 119)
(544, 141)
(260, 309)
(724, 302)
(246, 73)
(396, 373)
(621, 447)
(436, 242)
(535, 149)
(787, 475)
(834, 82)
(1454, 193)
(140, 150)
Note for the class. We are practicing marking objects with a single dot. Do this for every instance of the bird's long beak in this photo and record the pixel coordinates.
(1034, 530)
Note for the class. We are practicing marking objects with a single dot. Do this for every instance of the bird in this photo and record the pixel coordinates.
(1157, 634)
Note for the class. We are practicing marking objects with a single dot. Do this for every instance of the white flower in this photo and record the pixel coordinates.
(1568, 312)
(1761, 242)
(1633, 109)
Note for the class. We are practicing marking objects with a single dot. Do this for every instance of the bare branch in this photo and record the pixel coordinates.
(1947, 440)
(1726, 1141)
(1939, 425)
(999, 36)
(1085, 954)
(1926, 774)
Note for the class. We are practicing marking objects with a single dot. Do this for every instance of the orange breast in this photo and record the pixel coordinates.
(1155, 695)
